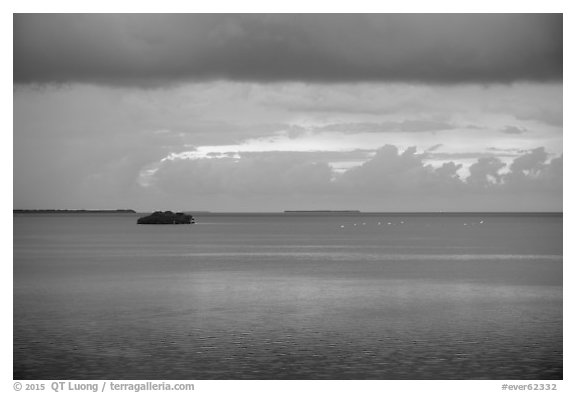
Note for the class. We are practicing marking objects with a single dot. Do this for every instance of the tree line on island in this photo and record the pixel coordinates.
(166, 217)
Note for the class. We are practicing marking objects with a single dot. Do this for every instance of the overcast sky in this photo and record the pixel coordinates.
(440, 112)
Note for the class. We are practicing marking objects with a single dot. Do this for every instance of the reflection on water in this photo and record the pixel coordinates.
(288, 298)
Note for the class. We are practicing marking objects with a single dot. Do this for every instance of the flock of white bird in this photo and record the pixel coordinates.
(403, 222)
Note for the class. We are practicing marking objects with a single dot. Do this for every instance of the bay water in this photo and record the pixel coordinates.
(288, 296)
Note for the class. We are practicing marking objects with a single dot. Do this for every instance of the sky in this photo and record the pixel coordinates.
(254, 112)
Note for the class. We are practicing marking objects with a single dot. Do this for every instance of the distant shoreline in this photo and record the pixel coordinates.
(322, 211)
(74, 211)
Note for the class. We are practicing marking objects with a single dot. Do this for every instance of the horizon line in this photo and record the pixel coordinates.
(319, 211)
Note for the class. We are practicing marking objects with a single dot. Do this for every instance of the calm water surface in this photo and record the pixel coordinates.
(288, 297)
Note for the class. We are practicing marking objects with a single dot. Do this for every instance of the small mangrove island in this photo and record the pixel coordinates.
(166, 217)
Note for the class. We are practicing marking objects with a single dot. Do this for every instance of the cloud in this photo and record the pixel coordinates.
(263, 175)
(390, 126)
(513, 130)
(510, 150)
(159, 49)
(434, 147)
(423, 125)
(466, 155)
(485, 172)
(390, 175)
(394, 174)
(532, 171)
(388, 168)
(86, 146)
(316, 156)
(551, 117)
(532, 161)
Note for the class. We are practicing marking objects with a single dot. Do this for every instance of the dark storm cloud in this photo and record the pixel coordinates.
(157, 49)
